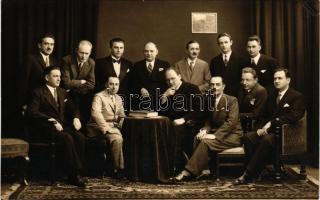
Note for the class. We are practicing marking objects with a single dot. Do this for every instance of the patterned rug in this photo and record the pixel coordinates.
(107, 188)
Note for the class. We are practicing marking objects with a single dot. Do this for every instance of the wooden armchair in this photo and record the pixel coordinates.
(291, 144)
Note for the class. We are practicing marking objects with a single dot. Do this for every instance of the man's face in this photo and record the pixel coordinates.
(117, 49)
(150, 52)
(253, 48)
(113, 85)
(280, 80)
(53, 78)
(225, 44)
(173, 79)
(46, 46)
(193, 50)
(248, 81)
(217, 84)
(83, 52)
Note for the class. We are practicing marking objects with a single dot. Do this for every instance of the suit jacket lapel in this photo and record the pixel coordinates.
(41, 61)
(50, 98)
(83, 70)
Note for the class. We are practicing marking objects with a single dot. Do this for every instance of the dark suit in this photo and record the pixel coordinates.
(189, 111)
(259, 149)
(150, 81)
(252, 104)
(265, 70)
(224, 123)
(32, 75)
(104, 69)
(231, 73)
(43, 107)
(71, 77)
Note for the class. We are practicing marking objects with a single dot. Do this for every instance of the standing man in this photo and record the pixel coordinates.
(263, 64)
(106, 121)
(252, 97)
(78, 77)
(193, 69)
(114, 65)
(35, 65)
(222, 131)
(149, 76)
(228, 65)
(284, 106)
(47, 111)
(183, 103)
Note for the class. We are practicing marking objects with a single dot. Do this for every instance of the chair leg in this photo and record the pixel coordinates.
(303, 172)
(24, 167)
(217, 163)
(52, 168)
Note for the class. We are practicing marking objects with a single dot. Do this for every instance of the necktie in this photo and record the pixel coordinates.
(278, 98)
(116, 61)
(150, 67)
(191, 65)
(225, 60)
(47, 61)
(253, 64)
(55, 95)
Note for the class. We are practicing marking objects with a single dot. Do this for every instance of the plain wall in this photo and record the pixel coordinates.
(168, 24)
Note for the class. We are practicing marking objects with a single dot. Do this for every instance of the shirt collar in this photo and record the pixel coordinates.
(152, 63)
(189, 61)
(51, 88)
(256, 59)
(283, 92)
(44, 56)
(228, 55)
(115, 58)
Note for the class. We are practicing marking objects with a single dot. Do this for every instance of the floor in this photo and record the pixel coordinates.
(9, 186)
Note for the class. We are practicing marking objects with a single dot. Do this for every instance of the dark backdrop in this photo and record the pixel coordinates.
(289, 30)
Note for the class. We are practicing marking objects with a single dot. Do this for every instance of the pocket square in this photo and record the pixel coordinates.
(252, 101)
(128, 70)
(65, 100)
(263, 70)
(160, 69)
(286, 105)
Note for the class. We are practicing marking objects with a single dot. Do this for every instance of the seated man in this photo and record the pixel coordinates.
(252, 97)
(106, 121)
(283, 107)
(222, 130)
(47, 111)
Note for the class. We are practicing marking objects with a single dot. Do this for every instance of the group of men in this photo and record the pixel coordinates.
(94, 96)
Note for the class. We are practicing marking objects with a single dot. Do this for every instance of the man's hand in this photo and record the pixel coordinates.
(262, 132)
(201, 134)
(169, 92)
(56, 124)
(76, 123)
(144, 92)
(83, 81)
(178, 122)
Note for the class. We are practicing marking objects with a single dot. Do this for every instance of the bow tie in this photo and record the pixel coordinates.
(116, 61)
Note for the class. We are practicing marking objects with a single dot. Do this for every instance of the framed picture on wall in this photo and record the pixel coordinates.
(204, 22)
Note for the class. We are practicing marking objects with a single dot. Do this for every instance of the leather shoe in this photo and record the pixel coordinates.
(244, 179)
(77, 181)
(183, 176)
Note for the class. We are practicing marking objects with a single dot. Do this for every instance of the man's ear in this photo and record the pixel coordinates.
(46, 77)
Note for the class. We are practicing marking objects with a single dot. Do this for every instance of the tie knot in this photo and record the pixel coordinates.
(116, 61)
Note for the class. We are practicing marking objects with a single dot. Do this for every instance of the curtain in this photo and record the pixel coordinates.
(23, 22)
(289, 30)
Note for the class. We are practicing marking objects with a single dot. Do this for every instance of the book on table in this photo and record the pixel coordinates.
(143, 113)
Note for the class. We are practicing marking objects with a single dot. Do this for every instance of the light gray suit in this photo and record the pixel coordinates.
(107, 115)
(199, 76)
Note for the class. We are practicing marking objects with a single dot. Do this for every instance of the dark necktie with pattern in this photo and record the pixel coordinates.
(225, 60)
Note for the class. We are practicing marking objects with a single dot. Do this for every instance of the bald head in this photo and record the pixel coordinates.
(150, 51)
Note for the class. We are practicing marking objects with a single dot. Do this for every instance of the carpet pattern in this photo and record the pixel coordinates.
(108, 188)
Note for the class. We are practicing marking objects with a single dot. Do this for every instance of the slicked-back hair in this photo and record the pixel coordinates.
(113, 40)
(249, 70)
(46, 35)
(48, 69)
(285, 70)
(191, 42)
(254, 38)
(224, 35)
